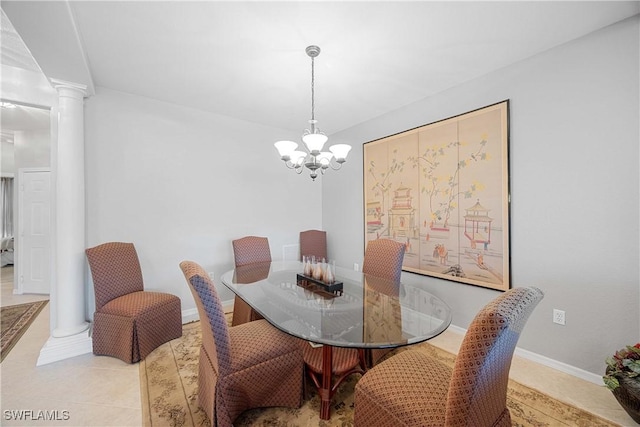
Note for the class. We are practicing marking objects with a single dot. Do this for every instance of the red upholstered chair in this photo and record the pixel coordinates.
(313, 242)
(251, 249)
(248, 250)
(241, 367)
(129, 322)
(250, 273)
(383, 315)
(383, 258)
(412, 389)
(345, 361)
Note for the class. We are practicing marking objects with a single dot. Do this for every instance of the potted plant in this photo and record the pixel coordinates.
(622, 377)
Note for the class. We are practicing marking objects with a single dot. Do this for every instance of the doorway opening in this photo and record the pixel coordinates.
(26, 146)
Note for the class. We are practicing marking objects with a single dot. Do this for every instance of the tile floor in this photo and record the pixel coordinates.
(103, 391)
(96, 391)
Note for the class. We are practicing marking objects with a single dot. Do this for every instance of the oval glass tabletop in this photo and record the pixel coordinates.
(367, 312)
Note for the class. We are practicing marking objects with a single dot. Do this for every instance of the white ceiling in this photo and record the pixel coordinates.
(247, 59)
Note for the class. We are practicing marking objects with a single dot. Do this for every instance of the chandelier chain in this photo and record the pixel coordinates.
(313, 80)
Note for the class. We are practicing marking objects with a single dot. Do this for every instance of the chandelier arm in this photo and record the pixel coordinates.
(335, 168)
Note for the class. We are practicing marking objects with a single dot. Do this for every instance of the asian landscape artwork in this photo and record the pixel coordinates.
(442, 189)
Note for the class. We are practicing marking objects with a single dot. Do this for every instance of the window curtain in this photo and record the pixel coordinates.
(6, 195)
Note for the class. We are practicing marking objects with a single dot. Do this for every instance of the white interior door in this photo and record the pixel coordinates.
(34, 253)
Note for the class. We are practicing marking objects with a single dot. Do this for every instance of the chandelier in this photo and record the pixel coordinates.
(313, 158)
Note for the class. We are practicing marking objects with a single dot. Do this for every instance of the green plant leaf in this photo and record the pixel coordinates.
(611, 382)
(632, 365)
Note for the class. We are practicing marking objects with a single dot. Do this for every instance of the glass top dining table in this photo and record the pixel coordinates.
(368, 312)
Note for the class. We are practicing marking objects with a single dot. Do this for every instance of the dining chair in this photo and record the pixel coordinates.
(129, 322)
(252, 365)
(345, 361)
(313, 243)
(382, 316)
(383, 258)
(411, 388)
(248, 250)
(250, 273)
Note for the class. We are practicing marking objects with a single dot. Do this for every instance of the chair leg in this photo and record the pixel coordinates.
(366, 359)
(304, 383)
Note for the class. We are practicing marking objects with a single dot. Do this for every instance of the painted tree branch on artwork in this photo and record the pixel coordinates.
(448, 188)
(381, 181)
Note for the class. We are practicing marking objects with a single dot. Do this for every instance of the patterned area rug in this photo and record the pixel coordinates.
(169, 382)
(14, 321)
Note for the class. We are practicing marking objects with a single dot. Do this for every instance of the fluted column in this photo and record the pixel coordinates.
(70, 330)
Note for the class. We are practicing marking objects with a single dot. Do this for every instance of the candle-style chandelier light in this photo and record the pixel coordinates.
(313, 158)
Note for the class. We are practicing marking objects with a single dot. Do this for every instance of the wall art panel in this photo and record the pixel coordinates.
(443, 190)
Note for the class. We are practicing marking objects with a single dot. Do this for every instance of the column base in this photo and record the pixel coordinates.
(67, 332)
(56, 349)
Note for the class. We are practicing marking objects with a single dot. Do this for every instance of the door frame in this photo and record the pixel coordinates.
(18, 272)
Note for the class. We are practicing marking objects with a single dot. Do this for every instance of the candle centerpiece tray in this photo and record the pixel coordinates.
(308, 281)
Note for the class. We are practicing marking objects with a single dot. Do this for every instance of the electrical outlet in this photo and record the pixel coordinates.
(356, 266)
(558, 316)
(212, 275)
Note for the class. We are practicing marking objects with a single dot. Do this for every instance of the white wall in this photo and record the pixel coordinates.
(182, 184)
(32, 149)
(574, 156)
(7, 158)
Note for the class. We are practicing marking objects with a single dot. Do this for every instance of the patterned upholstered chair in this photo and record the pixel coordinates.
(248, 250)
(250, 273)
(412, 389)
(241, 367)
(313, 242)
(129, 322)
(383, 258)
(383, 316)
(345, 361)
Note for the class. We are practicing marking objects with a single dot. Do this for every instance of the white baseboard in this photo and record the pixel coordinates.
(559, 366)
(190, 315)
(548, 362)
(457, 329)
(56, 349)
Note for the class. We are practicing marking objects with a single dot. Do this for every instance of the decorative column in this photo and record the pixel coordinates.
(70, 330)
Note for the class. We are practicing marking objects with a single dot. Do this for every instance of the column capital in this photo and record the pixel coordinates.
(66, 88)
